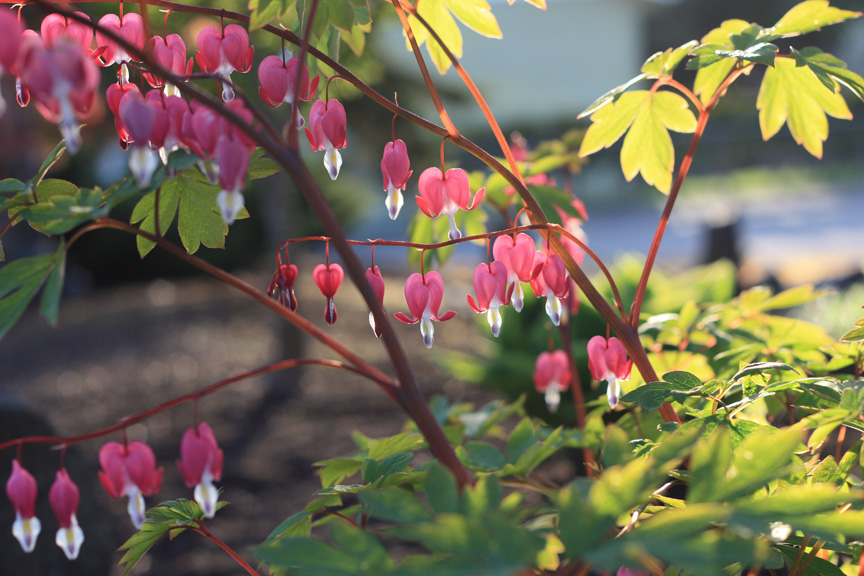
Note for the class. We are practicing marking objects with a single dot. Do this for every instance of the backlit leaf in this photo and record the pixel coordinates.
(810, 16)
(476, 15)
(440, 19)
(828, 69)
(793, 95)
(665, 63)
(709, 78)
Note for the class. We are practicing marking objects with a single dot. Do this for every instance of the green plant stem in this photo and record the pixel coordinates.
(202, 529)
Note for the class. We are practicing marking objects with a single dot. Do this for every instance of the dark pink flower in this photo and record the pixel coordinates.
(552, 376)
(113, 96)
(223, 52)
(424, 295)
(551, 282)
(278, 79)
(170, 54)
(607, 360)
(130, 471)
(328, 279)
(517, 255)
(21, 489)
(396, 169)
(232, 157)
(490, 285)
(64, 498)
(200, 464)
(373, 276)
(131, 28)
(282, 286)
(56, 25)
(327, 131)
(10, 42)
(62, 79)
(147, 124)
(447, 194)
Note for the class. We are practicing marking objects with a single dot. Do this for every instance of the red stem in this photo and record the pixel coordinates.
(202, 529)
(191, 397)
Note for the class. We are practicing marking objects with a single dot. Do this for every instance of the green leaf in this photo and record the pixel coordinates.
(341, 14)
(11, 185)
(794, 95)
(683, 379)
(140, 543)
(710, 77)
(648, 147)
(521, 438)
(19, 282)
(854, 335)
(49, 308)
(829, 69)
(810, 16)
(758, 367)
(394, 505)
(145, 213)
(609, 97)
(665, 63)
(200, 221)
(611, 121)
(49, 161)
(652, 395)
(298, 524)
(441, 490)
(481, 457)
(549, 197)
(305, 556)
(62, 206)
(2, 253)
(384, 447)
(762, 457)
(334, 471)
(476, 15)
(262, 12)
(708, 465)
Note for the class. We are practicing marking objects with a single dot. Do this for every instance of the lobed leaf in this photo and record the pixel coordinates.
(810, 16)
(793, 95)
(145, 213)
(709, 77)
(665, 63)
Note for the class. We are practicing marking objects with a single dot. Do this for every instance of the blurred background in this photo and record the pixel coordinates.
(134, 333)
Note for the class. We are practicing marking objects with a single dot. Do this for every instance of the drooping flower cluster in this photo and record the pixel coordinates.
(127, 470)
(424, 294)
(327, 131)
(552, 376)
(447, 193)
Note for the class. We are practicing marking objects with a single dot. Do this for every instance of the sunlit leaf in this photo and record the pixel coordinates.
(810, 16)
(793, 95)
(710, 77)
(665, 63)
(829, 69)
(476, 15)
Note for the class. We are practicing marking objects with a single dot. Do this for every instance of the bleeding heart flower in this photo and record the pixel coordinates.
(424, 295)
(147, 123)
(170, 54)
(233, 159)
(64, 498)
(282, 286)
(130, 471)
(373, 276)
(328, 279)
(551, 282)
(278, 79)
(447, 194)
(223, 52)
(607, 360)
(396, 169)
(21, 489)
(517, 255)
(552, 376)
(62, 79)
(131, 28)
(10, 42)
(113, 96)
(327, 131)
(490, 285)
(56, 25)
(200, 464)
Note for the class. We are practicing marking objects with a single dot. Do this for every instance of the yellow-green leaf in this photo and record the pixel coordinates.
(793, 95)
(436, 14)
(709, 78)
(648, 147)
(476, 15)
(810, 16)
(610, 122)
(665, 63)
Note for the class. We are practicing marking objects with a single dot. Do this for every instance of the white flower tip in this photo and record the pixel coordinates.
(71, 133)
(553, 309)
(455, 233)
(428, 332)
(493, 316)
(26, 531)
(518, 297)
(227, 92)
(142, 163)
(230, 203)
(394, 202)
(332, 161)
(372, 324)
(553, 397)
(210, 170)
(613, 391)
(136, 509)
(207, 497)
(70, 539)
